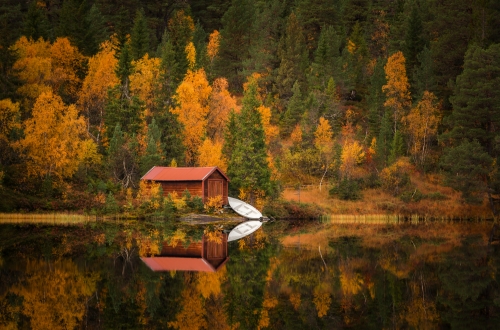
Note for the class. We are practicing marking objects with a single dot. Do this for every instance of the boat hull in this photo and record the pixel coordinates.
(244, 209)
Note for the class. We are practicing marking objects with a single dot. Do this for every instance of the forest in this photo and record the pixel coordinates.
(346, 95)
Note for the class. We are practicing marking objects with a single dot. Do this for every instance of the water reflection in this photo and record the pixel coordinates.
(313, 276)
(209, 255)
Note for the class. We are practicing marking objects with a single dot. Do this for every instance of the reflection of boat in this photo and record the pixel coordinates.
(243, 229)
(244, 209)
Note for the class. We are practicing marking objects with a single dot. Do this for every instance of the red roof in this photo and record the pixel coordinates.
(158, 173)
(176, 263)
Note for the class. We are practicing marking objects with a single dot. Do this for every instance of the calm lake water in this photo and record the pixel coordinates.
(287, 275)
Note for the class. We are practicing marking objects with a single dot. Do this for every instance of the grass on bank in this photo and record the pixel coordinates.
(45, 218)
(440, 202)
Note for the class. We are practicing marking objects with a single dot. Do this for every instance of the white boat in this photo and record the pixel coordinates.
(243, 229)
(244, 209)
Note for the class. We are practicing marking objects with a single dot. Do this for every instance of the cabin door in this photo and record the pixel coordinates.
(215, 188)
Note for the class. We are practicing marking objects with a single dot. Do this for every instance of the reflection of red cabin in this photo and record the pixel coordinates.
(199, 181)
(203, 256)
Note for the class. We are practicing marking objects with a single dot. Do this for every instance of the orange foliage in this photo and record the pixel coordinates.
(221, 102)
(192, 96)
(143, 79)
(93, 95)
(209, 284)
(53, 138)
(43, 302)
(9, 119)
(323, 136)
(296, 135)
(322, 299)
(397, 89)
(190, 55)
(213, 44)
(210, 154)
(192, 314)
(422, 124)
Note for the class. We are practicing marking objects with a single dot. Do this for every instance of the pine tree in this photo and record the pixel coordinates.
(122, 107)
(295, 110)
(236, 36)
(294, 59)
(384, 140)
(376, 98)
(10, 30)
(154, 149)
(327, 59)
(139, 38)
(248, 167)
(476, 99)
(97, 31)
(423, 75)
(36, 23)
(414, 42)
(397, 147)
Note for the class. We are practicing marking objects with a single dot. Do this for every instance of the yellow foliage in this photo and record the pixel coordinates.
(67, 63)
(420, 313)
(178, 237)
(271, 131)
(210, 154)
(94, 92)
(350, 281)
(322, 299)
(209, 284)
(88, 154)
(221, 103)
(33, 66)
(351, 47)
(53, 138)
(352, 155)
(323, 136)
(192, 314)
(42, 300)
(397, 89)
(421, 125)
(295, 300)
(150, 244)
(192, 96)
(213, 44)
(296, 135)
(214, 203)
(142, 81)
(190, 55)
(396, 175)
(9, 119)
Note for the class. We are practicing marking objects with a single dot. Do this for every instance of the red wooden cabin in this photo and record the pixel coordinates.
(199, 181)
(204, 256)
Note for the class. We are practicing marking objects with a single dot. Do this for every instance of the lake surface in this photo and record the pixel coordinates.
(287, 275)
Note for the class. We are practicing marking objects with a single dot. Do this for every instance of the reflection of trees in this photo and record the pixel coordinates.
(468, 292)
(55, 294)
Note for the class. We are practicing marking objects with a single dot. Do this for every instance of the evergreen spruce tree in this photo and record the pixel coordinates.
(10, 30)
(73, 23)
(384, 140)
(154, 149)
(295, 110)
(423, 78)
(414, 42)
(476, 99)
(474, 125)
(236, 36)
(36, 23)
(376, 98)
(397, 147)
(139, 38)
(122, 107)
(327, 59)
(248, 167)
(294, 59)
(200, 44)
(96, 32)
(230, 137)
(169, 126)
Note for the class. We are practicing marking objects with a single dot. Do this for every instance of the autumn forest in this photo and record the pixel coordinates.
(350, 96)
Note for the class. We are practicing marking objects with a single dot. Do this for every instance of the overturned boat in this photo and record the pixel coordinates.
(244, 209)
